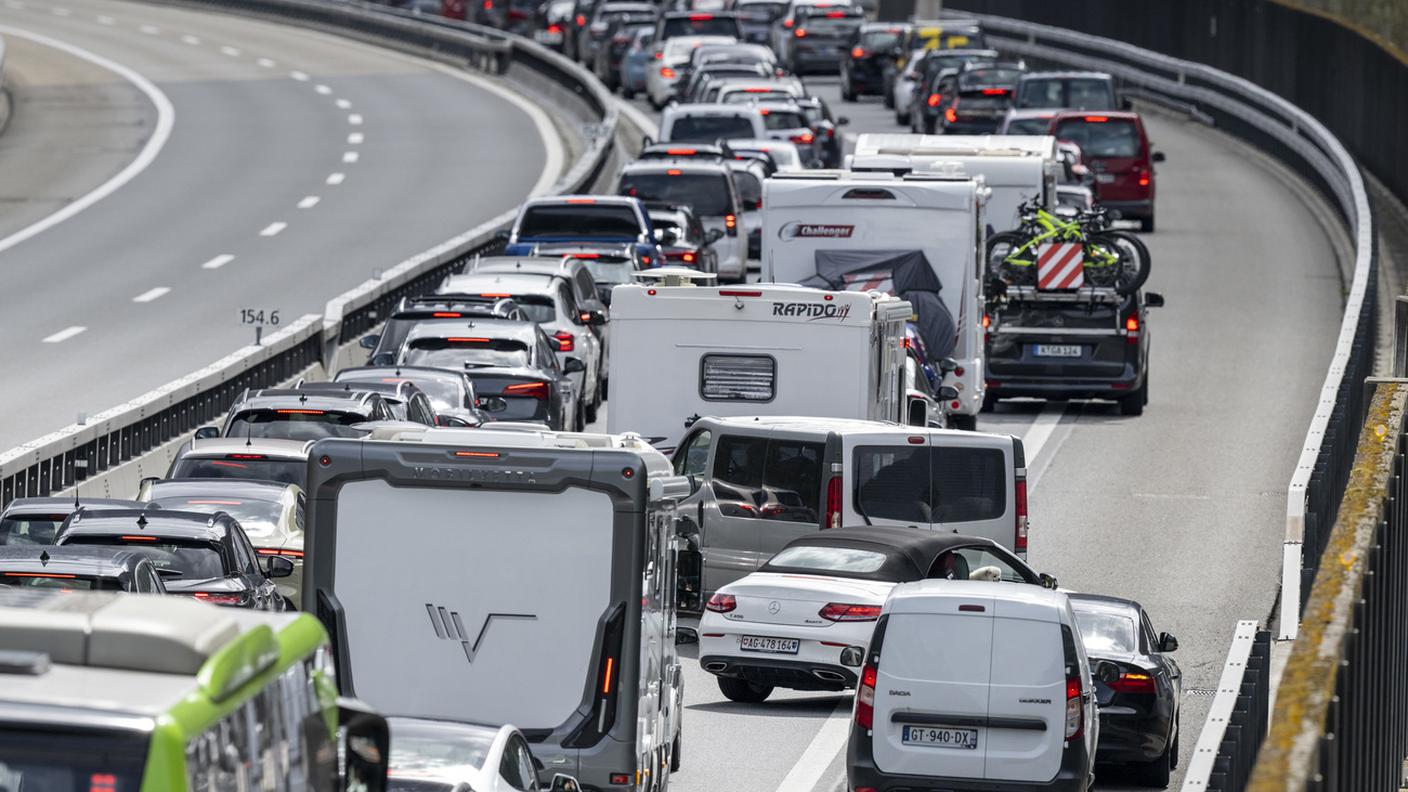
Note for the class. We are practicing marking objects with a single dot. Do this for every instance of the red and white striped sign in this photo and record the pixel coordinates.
(1060, 266)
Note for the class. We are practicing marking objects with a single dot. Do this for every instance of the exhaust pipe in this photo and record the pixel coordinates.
(715, 666)
(828, 676)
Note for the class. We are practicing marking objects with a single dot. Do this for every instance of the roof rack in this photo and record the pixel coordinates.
(675, 276)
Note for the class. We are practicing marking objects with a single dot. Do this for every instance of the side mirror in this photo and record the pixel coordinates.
(947, 393)
(1158, 156)
(1153, 300)
(146, 481)
(207, 432)
(713, 235)
(1107, 672)
(1126, 104)
(1048, 581)
(574, 365)
(366, 746)
(493, 404)
(453, 421)
(948, 365)
(918, 412)
(1167, 643)
(564, 783)
(594, 318)
(843, 121)
(686, 635)
(369, 341)
(277, 567)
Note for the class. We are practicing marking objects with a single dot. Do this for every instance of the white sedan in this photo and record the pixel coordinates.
(803, 620)
(435, 756)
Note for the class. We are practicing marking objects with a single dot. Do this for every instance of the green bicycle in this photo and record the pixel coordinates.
(1109, 258)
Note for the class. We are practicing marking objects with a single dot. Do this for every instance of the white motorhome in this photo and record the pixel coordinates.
(1016, 168)
(684, 351)
(506, 576)
(920, 237)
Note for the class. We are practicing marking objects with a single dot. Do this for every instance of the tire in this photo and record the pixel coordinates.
(901, 118)
(1156, 773)
(989, 402)
(743, 691)
(627, 93)
(591, 409)
(930, 127)
(581, 420)
(967, 423)
(1146, 224)
(999, 245)
(675, 751)
(1135, 259)
(889, 97)
(1133, 404)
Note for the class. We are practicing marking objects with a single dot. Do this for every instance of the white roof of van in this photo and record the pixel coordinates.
(808, 423)
(522, 435)
(1001, 600)
(870, 144)
(278, 447)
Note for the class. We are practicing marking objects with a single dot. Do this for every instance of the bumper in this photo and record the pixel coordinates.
(866, 81)
(974, 127)
(1131, 210)
(1063, 388)
(790, 674)
(1130, 736)
(1073, 776)
(817, 61)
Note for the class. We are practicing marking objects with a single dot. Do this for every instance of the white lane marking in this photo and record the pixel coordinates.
(322, 89)
(267, 63)
(64, 334)
(309, 202)
(830, 739)
(151, 294)
(355, 119)
(298, 75)
(192, 40)
(165, 120)
(218, 262)
(343, 104)
(233, 52)
(273, 229)
(350, 156)
(355, 139)
(336, 178)
(150, 30)
(60, 12)
(1040, 431)
(102, 20)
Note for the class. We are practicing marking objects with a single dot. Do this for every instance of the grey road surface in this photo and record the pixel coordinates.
(1182, 508)
(298, 166)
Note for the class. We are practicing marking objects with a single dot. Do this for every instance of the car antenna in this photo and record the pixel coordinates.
(142, 522)
(44, 558)
(248, 434)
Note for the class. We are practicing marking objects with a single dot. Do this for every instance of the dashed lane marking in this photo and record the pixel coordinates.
(151, 294)
(218, 262)
(273, 229)
(64, 334)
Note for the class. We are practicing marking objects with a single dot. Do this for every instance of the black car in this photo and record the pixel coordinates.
(865, 59)
(1139, 711)
(616, 42)
(817, 37)
(600, 23)
(298, 414)
(386, 344)
(695, 23)
(36, 521)
(755, 18)
(513, 364)
(824, 125)
(80, 569)
(937, 77)
(1070, 348)
(979, 101)
(405, 399)
(451, 393)
(206, 556)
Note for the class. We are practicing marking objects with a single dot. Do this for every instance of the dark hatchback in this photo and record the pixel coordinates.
(871, 50)
(206, 556)
(980, 99)
(1139, 710)
(1075, 346)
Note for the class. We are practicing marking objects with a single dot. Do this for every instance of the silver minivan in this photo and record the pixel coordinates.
(975, 686)
(760, 482)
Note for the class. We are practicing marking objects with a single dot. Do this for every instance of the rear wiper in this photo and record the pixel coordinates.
(863, 515)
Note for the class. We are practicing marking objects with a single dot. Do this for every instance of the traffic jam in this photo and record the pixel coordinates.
(734, 408)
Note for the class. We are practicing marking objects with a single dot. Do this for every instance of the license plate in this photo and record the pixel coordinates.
(548, 37)
(1056, 350)
(936, 737)
(760, 643)
(1105, 178)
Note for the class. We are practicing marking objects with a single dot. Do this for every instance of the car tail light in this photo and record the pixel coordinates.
(858, 53)
(275, 551)
(688, 258)
(994, 92)
(951, 114)
(842, 612)
(721, 603)
(667, 72)
(674, 172)
(700, 17)
(659, 55)
(804, 138)
(833, 503)
(554, 28)
(566, 342)
(1142, 174)
(959, 371)
(934, 100)
(681, 152)
(800, 32)
(1131, 329)
(787, 23)
(620, 779)
(537, 390)
(865, 696)
(1075, 708)
(1096, 119)
(731, 225)
(299, 412)
(219, 599)
(835, 14)
(1019, 540)
(1134, 683)
(581, 21)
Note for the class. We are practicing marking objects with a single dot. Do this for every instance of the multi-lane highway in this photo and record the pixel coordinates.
(246, 165)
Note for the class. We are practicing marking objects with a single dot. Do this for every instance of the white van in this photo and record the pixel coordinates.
(685, 351)
(975, 686)
(1016, 168)
(506, 576)
(919, 237)
(759, 482)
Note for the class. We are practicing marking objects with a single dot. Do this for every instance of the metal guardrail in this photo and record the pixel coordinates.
(1226, 750)
(125, 432)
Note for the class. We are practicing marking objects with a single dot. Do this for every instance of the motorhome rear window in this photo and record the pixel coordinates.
(751, 378)
(940, 484)
(1073, 93)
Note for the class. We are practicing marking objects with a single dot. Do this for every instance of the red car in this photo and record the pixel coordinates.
(1116, 149)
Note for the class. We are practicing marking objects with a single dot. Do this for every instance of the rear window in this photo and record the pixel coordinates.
(751, 378)
(469, 352)
(707, 193)
(194, 560)
(699, 25)
(32, 529)
(880, 40)
(1078, 94)
(295, 424)
(1028, 126)
(258, 518)
(988, 78)
(930, 484)
(579, 221)
(707, 129)
(1106, 632)
(768, 479)
(849, 560)
(783, 119)
(611, 271)
(747, 97)
(289, 471)
(66, 759)
(750, 188)
(1104, 138)
(670, 232)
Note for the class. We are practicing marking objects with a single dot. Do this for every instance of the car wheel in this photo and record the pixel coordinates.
(1146, 224)
(591, 409)
(580, 422)
(675, 751)
(967, 423)
(989, 403)
(889, 98)
(1133, 404)
(743, 691)
(901, 118)
(627, 93)
(848, 91)
(1156, 773)
(929, 126)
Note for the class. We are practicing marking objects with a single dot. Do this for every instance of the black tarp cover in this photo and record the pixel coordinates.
(904, 273)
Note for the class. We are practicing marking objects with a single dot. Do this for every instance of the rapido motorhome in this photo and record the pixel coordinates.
(683, 351)
(506, 576)
(916, 236)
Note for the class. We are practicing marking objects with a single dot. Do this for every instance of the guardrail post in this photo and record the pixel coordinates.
(1400, 336)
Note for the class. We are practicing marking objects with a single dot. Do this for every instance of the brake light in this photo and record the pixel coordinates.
(477, 454)
(951, 114)
(466, 340)
(836, 15)
(804, 138)
(299, 412)
(987, 321)
(1131, 325)
(244, 456)
(700, 17)
(659, 55)
(1019, 540)
(1143, 175)
(833, 503)
(219, 599)
(667, 72)
(581, 21)
(681, 152)
(800, 32)
(934, 100)
(501, 295)
(1075, 708)
(554, 28)
(586, 255)
(674, 172)
(994, 92)
(760, 89)
(578, 201)
(537, 390)
(842, 612)
(56, 575)
(274, 551)
(865, 696)
(688, 258)
(858, 53)
(731, 224)
(787, 23)
(721, 603)
(446, 315)
(1096, 119)
(566, 342)
(736, 293)
(1134, 683)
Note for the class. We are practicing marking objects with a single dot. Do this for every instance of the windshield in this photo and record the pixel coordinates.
(1105, 632)
(707, 193)
(258, 518)
(30, 529)
(1028, 126)
(192, 558)
(289, 471)
(829, 559)
(419, 747)
(1077, 94)
(699, 25)
(1105, 138)
(930, 485)
(783, 119)
(294, 424)
(582, 220)
(466, 353)
(707, 129)
(53, 759)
